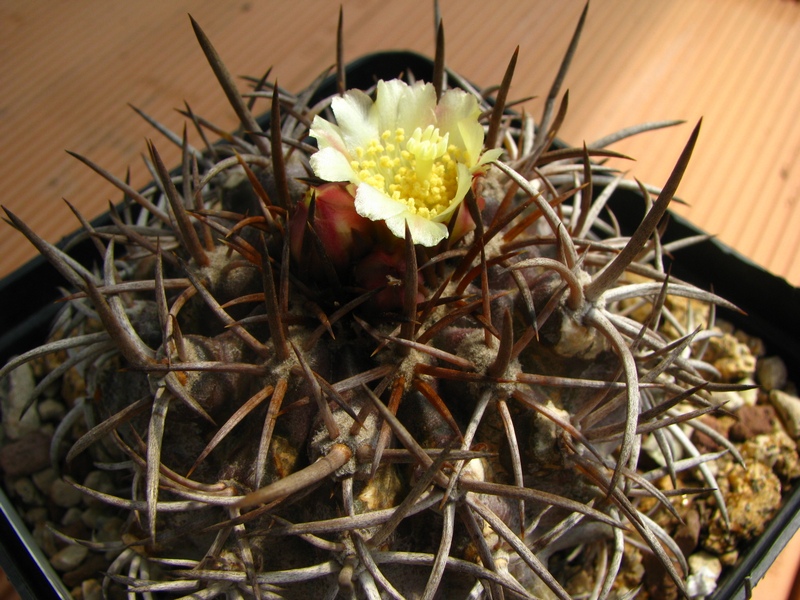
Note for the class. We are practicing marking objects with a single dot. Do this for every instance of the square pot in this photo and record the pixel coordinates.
(771, 304)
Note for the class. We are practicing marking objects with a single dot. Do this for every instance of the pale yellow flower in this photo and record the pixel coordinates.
(411, 159)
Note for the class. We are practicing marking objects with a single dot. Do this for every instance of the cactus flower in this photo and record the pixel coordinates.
(411, 159)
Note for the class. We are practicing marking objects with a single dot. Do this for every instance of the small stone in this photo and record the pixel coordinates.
(752, 496)
(750, 396)
(772, 373)
(68, 558)
(732, 358)
(91, 516)
(728, 559)
(65, 494)
(755, 344)
(99, 481)
(26, 455)
(87, 571)
(15, 392)
(26, 491)
(788, 408)
(37, 514)
(109, 529)
(704, 572)
(729, 400)
(721, 424)
(51, 410)
(688, 532)
(91, 590)
(44, 479)
(44, 538)
(72, 515)
(75, 530)
(776, 450)
(753, 421)
(725, 327)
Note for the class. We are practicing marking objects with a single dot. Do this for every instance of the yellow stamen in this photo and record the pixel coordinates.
(420, 171)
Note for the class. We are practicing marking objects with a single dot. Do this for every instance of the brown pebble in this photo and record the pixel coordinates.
(729, 559)
(75, 529)
(26, 455)
(99, 481)
(705, 443)
(92, 590)
(772, 373)
(45, 538)
(26, 492)
(753, 421)
(94, 564)
(688, 532)
(68, 558)
(64, 494)
(37, 514)
(44, 479)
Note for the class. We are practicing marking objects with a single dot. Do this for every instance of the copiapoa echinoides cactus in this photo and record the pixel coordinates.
(382, 348)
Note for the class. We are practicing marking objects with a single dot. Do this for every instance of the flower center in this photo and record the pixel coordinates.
(420, 171)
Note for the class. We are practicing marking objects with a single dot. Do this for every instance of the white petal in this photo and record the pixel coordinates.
(455, 107)
(471, 132)
(424, 232)
(331, 165)
(417, 108)
(352, 113)
(458, 104)
(327, 134)
(388, 98)
(375, 205)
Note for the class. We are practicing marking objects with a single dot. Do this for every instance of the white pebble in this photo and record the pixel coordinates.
(704, 573)
(788, 408)
(729, 399)
(750, 396)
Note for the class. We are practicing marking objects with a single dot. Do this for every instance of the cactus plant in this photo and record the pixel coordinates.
(383, 344)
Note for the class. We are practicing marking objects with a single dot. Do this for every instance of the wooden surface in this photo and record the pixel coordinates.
(68, 70)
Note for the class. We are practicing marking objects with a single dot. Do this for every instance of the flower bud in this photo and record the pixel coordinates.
(343, 234)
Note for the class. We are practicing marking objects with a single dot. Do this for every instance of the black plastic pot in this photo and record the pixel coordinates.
(771, 304)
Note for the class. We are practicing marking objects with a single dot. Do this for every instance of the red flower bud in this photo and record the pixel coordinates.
(344, 234)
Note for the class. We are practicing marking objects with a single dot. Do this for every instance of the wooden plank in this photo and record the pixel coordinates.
(71, 69)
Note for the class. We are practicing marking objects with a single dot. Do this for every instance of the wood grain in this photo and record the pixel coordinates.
(69, 70)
